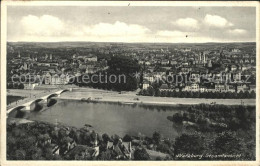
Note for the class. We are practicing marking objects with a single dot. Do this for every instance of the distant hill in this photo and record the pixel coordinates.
(113, 44)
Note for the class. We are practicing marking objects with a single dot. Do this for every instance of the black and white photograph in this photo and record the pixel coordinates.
(134, 81)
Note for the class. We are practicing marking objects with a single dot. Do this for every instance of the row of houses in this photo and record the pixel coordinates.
(86, 58)
(194, 87)
(56, 79)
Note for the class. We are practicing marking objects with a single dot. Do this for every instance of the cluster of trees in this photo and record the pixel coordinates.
(219, 129)
(22, 142)
(15, 86)
(31, 141)
(11, 99)
(150, 91)
(225, 145)
(36, 140)
(218, 117)
(120, 76)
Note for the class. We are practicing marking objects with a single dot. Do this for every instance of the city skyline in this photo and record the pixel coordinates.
(131, 24)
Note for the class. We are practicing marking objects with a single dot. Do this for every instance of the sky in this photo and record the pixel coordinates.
(131, 24)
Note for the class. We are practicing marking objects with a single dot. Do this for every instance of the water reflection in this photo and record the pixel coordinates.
(51, 102)
(22, 112)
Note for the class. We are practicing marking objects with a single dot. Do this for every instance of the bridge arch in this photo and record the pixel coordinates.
(64, 90)
(38, 100)
(15, 108)
(13, 111)
(52, 95)
(61, 91)
(34, 101)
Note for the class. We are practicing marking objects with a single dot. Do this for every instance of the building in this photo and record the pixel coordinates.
(146, 84)
(47, 78)
(224, 88)
(148, 63)
(192, 87)
(203, 89)
(243, 88)
(173, 62)
(56, 79)
(148, 77)
(165, 87)
(30, 85)
(122, 149)
(195, 77)
(233, 67)
(25, 66)
(220, 87)
(91, 59)
(141, 62)
(235, 50)
(164, 62)
(209, 64)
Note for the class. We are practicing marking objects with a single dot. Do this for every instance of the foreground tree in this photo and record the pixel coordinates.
(189, 144)
(141, 154)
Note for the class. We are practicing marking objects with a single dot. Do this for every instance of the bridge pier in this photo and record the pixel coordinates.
(29, 107)
(45, 100)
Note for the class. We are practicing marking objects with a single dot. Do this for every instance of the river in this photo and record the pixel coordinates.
(111, 118)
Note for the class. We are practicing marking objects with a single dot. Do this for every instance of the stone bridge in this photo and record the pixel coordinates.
(32, 104)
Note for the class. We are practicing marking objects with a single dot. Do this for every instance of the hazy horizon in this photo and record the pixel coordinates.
(123, 42)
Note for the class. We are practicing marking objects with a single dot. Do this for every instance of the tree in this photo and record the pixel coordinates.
(190, 95)
(123, 64)
(157, 84)
(57, 157)
(105, 138)
(15, 85)
(157, 137)
(127, 138)
(106, 155)
(234, 123)
(252, 94)
(157, 92)
(10, 86)
(177, 118)
(35, 153)
(11, 144)
(228, 143)
(21, 86)
(141, 154)
(189, 144)
(163, 147)
(150, 91)
(48, 153)
(20, 154)
(163, 93)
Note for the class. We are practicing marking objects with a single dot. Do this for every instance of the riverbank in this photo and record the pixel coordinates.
(98, 95)
(131, 97)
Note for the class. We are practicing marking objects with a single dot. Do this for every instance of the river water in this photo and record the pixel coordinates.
(111, 118)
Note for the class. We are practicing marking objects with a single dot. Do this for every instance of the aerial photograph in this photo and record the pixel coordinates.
(167, 83)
